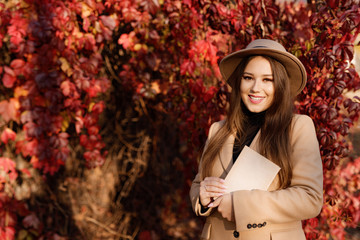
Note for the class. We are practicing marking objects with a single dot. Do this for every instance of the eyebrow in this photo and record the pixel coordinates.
(265, 75)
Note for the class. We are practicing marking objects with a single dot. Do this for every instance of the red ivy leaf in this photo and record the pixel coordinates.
(197, 88)
(98, 107)
(187, 66)
(7, 233)
(8, 80)
(145, 235)
(28, 148)
(9, 77)
(31, 221)
(26, 171)
(7, 135)
(210, 94)
(66, 87)
(126, 40)
(108, 22)
(17, 63)
(8, 166)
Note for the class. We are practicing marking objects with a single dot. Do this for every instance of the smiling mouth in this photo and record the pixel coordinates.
(256, 99)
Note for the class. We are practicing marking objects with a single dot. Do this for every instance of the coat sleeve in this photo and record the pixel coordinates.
(303, 199)
(195, 186)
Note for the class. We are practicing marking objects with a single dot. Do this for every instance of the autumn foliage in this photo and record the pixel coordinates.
(74, 73)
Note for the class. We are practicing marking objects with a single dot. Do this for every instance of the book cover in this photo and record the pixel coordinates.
(250, 171)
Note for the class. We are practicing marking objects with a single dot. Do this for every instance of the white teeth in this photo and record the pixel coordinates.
(256, 98)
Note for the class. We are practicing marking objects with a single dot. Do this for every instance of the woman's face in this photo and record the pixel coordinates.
(257, 85)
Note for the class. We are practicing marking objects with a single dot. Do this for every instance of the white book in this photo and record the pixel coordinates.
(250, 171)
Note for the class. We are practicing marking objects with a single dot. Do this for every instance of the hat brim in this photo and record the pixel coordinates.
(295, 69)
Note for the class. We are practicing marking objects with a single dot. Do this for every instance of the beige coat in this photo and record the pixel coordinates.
(274, 214)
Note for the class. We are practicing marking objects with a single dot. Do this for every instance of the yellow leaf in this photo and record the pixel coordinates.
(308, 45)
(91, 105)
(85, 10)
(22, 234)
(298, 53)
(65, 122)
(137, 47)
(155, 87)
(144, 47)
(23, 4)
(19, 91)
(65, 66)
(78, 34)
(97, 28)
(64, 125)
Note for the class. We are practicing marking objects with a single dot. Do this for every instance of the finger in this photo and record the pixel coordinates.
(210, 194)
(214, 194)
(214, 185)
(215, 203)
(215, 190)
(214, 181)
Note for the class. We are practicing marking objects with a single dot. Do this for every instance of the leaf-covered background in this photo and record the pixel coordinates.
(105, 107)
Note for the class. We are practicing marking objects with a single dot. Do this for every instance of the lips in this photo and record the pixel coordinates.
(256, 99)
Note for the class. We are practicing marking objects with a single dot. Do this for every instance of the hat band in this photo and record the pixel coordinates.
(260, 47)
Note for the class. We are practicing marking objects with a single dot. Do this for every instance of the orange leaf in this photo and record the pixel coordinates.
(9, 109)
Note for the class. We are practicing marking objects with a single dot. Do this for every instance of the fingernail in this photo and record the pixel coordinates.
(210, 205)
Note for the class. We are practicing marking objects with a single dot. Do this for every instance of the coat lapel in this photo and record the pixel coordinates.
(254, 143)
(226, 153)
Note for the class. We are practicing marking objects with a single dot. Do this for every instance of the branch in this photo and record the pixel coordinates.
(94, 221)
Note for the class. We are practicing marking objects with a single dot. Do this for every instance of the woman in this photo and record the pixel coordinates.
(265, 79)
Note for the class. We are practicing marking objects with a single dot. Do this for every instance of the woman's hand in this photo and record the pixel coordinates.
(210, 188)
(225, 206)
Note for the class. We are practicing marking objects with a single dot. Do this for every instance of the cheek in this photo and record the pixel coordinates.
(244, 87)
(270, 91)
(243, 92)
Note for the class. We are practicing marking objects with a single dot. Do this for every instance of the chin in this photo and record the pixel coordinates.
(256, 109)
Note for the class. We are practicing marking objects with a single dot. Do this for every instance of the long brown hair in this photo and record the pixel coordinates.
(275, 133)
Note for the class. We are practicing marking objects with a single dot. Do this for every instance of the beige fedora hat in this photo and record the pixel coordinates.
(295, 69)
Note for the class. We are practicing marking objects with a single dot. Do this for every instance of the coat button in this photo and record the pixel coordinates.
(249, 226)
(254, 225)
(260, 225)
(236, 234)
(264, 224)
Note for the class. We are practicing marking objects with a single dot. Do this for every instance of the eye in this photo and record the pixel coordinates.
(248, 78)
(268, 80)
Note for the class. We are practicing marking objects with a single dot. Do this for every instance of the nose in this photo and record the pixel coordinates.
(256, 85)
